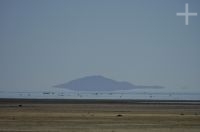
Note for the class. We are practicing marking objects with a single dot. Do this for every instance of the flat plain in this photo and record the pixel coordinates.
(64, 116)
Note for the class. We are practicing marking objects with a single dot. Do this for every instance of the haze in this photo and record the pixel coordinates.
(49, 42)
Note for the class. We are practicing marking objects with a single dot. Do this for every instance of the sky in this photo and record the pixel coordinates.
(48, 42)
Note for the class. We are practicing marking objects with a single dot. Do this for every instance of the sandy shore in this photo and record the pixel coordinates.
(29, 116)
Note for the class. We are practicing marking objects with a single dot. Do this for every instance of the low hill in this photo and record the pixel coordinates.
(100, 83)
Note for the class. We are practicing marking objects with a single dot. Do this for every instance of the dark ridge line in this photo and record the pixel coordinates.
(98, 101)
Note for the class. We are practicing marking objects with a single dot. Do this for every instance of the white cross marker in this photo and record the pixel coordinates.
(186, 14)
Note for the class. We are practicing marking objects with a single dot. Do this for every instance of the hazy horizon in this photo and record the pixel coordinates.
(50, 42)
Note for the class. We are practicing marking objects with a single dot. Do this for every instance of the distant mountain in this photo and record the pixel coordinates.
(100, 83)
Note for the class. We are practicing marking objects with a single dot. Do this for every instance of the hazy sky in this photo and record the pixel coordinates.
(45, 42)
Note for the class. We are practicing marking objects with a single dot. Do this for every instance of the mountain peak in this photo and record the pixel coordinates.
(94, 77)
(99, 83)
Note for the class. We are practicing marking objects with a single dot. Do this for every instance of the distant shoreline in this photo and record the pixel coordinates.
(97, 101)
